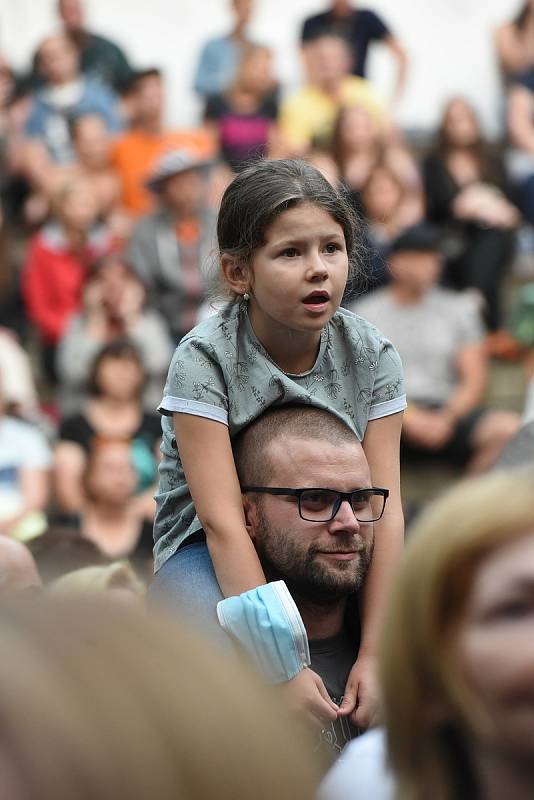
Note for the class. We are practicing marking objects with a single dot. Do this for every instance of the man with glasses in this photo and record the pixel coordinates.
(309, 506)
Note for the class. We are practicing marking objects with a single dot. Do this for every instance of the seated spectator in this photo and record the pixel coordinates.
(66, 94)
(92, 150)
(138, 148)
(99, 57)
(360, 27)
(389, 206)
(113, 307)
(112, 516)
(243, 118)
(60, 550)
(98, 701)
(514, 42)
(18, 570)
(307, 117)
(113, 413)
(465, 189)
(359, 145)
(219, 58)
(170, 247)
(439, 337)
(25, 461)
(57, 263)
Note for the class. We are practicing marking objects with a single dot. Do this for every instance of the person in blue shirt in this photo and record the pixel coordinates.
(360, 27)
(67, 94)
(219, 58)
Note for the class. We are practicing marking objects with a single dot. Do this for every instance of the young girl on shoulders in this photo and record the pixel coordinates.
(287, 243)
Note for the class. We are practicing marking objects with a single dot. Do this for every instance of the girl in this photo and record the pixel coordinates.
(287, 243)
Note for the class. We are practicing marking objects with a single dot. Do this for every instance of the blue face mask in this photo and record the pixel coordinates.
(267, 624)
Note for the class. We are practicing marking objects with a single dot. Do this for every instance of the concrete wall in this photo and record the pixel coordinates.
(449, 41)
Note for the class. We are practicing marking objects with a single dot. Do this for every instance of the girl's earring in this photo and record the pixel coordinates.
(245, 295)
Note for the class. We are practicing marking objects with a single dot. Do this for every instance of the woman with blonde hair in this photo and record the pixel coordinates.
(97, 703)
(457, 656)
(457, 663)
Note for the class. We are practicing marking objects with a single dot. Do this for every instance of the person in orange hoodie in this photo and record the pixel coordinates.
(139, 148)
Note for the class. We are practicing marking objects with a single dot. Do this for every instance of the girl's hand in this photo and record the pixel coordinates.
(306, 696)
(360, 701)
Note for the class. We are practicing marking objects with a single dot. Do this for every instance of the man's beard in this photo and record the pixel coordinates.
(307, 575)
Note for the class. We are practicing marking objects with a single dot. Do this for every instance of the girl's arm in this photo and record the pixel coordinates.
(381, 445)
(208, 463)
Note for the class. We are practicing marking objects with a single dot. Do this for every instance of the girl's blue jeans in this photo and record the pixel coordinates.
(187, 585)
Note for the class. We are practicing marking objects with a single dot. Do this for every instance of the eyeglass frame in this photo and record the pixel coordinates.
(342, 496)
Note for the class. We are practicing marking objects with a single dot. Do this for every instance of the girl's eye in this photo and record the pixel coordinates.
(514, 609)
(290, 252)
(332, 247)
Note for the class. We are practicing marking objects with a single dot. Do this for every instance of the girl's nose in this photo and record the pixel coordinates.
(317, 267)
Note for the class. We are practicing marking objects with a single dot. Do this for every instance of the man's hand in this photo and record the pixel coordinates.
(306, 695)
(360, 701)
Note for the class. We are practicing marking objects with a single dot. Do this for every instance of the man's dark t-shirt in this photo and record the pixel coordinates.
(360, 29)
(333, 660)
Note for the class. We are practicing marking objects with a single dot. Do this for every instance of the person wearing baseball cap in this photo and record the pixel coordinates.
(439, 335)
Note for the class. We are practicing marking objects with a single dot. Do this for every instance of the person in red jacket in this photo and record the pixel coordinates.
(57, 263)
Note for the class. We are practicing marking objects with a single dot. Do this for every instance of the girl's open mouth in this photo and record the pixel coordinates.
(316, 300)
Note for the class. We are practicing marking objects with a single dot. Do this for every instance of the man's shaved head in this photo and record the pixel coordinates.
(252, 445)
(302, 446)
(17, 567)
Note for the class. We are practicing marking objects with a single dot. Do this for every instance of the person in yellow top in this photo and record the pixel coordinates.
(308, 115)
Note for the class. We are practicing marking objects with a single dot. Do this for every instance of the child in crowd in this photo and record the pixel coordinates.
(287, 242)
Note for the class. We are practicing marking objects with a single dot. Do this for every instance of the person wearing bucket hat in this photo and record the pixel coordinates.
(175, 162)
(439, 335)
(169, 246)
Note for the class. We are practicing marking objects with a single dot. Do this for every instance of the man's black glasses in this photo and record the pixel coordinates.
(322, 505)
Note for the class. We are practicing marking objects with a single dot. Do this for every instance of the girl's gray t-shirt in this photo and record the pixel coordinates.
(221, 371)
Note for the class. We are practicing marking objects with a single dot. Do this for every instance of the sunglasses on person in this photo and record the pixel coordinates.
(322, 505)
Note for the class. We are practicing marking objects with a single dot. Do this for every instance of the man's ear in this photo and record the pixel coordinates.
(235, 274)
(250, 516)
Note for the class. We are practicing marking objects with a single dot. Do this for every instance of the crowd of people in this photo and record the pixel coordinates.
(119, 235)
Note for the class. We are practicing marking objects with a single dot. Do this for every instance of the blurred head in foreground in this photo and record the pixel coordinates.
(18, 569)
(98, 703)
(457, 664)
(118, 578)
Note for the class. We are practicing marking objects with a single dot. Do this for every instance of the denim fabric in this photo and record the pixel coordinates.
(187, 584)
